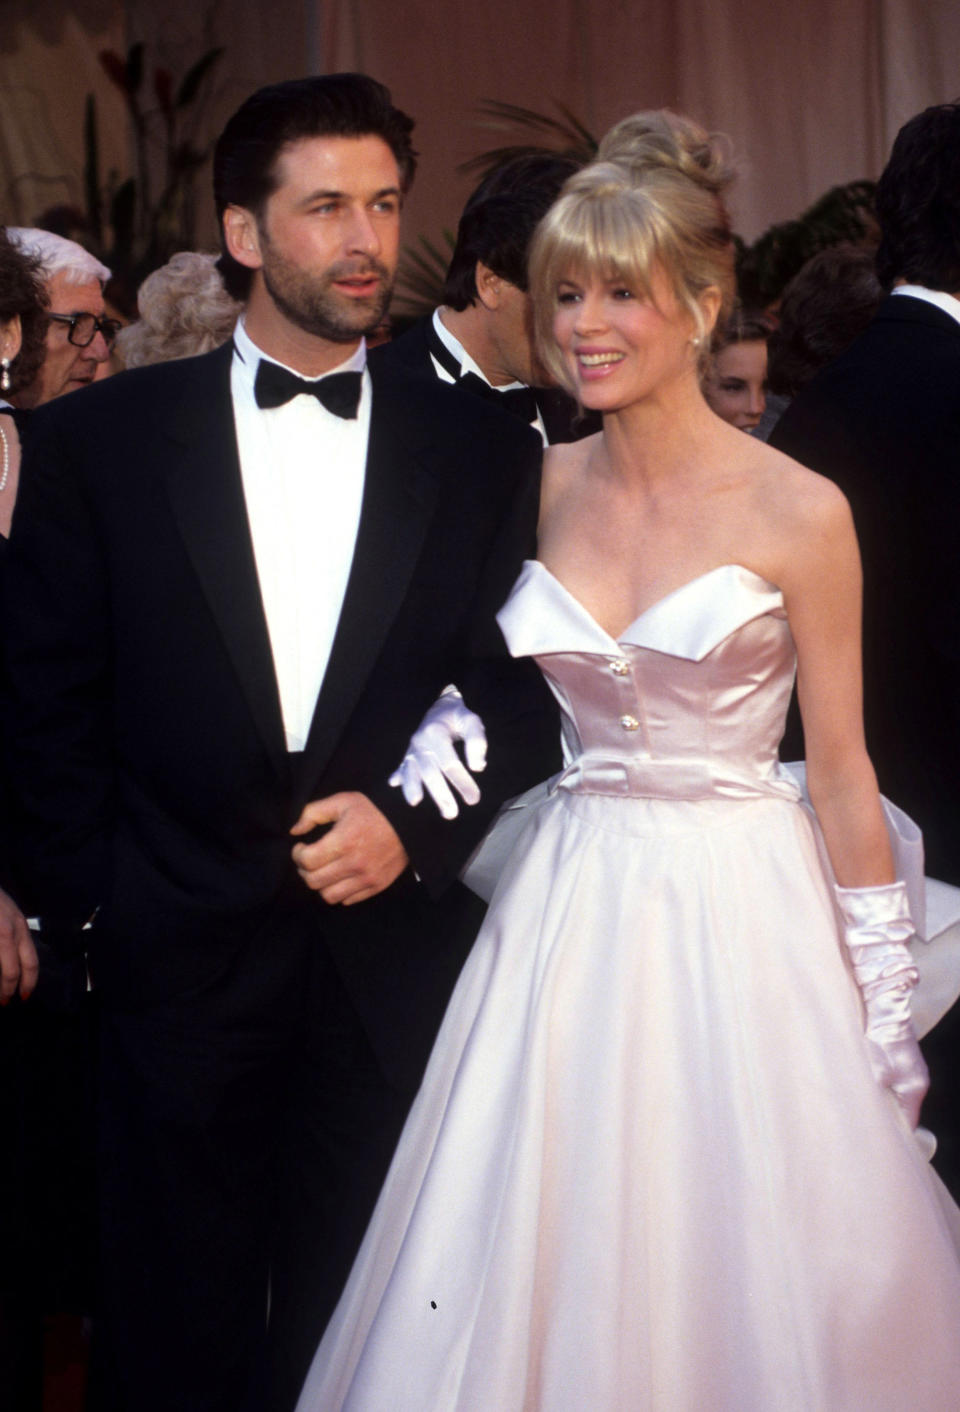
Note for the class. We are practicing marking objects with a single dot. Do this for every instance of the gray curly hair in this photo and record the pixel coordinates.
(184, 309)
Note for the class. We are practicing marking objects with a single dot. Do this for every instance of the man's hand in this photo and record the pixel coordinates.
(358, 857)
(18, 955)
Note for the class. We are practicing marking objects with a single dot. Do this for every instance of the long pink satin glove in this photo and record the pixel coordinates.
(432, 763)
(876, 929)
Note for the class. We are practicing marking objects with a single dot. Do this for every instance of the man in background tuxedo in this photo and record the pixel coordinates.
(79, 334)
(235, 584)
(481, 338)
(883, 421)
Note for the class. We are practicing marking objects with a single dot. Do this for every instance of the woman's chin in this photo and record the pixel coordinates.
(599, 397)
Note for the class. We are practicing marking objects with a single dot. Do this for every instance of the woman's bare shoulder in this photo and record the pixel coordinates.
(796, 522)
(796, 497)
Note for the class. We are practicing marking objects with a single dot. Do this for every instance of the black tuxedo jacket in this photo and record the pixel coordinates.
(883, 421)
(561, 419)
(144, 716)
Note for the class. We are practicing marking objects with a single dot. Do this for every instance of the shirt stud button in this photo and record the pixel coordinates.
(629, 723)
(619, 666)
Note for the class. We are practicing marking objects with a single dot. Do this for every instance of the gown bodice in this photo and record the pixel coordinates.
(690, 703)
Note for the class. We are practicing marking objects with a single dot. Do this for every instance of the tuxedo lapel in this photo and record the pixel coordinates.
(410, 351)
(206, 493)
(399, 495)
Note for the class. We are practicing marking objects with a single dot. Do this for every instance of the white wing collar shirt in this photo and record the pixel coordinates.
(468, 365)
(938, 297)
(303, 471)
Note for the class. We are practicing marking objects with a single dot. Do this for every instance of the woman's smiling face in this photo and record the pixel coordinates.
(621, 344)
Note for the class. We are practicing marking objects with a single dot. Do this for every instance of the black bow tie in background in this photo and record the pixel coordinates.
(274, 386)
(521, 401)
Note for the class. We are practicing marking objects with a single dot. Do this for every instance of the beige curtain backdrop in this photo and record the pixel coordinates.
(811, 92)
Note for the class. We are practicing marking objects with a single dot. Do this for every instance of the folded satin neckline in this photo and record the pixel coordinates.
(717, 609)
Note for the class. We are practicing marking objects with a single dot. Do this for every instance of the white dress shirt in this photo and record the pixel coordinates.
(467, 365)
(939, 297)
(303, 471)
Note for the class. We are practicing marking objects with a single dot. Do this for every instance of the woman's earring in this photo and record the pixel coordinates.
(4, 374)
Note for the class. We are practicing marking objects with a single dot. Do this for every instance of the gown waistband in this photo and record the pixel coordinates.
(675, 779)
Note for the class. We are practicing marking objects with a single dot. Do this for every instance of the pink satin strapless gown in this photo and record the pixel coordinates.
(649, 1169)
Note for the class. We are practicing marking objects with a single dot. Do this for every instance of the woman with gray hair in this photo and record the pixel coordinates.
(184, 309)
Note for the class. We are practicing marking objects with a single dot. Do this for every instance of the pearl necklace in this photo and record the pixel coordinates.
(4, 459)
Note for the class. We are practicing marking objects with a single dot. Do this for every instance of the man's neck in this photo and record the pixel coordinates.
(304, 352)
(468, 327)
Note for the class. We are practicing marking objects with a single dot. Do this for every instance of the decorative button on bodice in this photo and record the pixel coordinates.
(687, 703)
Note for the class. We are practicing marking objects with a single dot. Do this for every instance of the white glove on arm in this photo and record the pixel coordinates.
(876, 929)
(432, 763)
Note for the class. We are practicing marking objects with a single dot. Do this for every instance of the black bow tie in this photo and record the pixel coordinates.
(274, 386)
(521, 401)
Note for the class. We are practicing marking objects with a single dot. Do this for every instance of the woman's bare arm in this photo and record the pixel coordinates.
(822, 590)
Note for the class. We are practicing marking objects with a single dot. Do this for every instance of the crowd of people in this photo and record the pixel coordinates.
(438, 991)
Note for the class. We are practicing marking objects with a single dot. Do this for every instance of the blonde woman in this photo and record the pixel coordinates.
(663, 1157)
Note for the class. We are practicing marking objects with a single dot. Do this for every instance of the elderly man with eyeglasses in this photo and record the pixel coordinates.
(79, 335)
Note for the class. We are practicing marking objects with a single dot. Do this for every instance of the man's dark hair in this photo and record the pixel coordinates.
(918, 202)
(329, 105)
(499, 219)
(827, 304)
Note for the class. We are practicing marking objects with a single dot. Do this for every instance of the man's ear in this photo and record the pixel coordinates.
(242, 236)
(489, 286)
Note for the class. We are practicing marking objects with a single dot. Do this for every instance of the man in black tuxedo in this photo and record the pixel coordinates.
(481, 338)
(883, 421)
(235, 584)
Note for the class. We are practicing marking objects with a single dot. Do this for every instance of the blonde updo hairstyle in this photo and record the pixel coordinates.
(652, 197)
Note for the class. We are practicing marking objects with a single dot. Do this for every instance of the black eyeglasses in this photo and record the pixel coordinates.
(85, 327)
